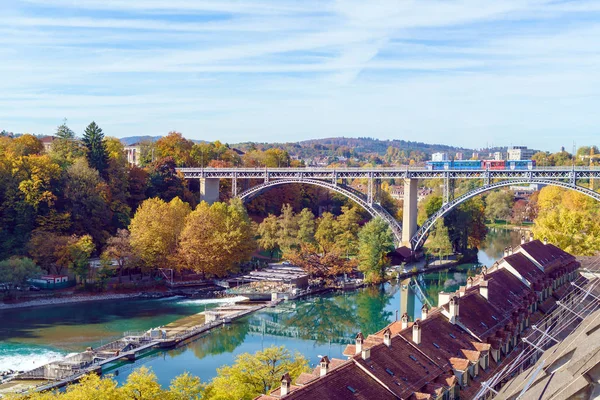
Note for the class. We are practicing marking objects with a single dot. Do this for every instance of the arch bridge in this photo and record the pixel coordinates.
(407, 233)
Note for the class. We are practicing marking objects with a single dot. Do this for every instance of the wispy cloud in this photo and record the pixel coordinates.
(463, 71)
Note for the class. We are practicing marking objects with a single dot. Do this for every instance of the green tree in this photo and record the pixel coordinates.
(347, 228)
(327, 232)
(97, 155)
(306, 226)
(375, 241)
(499, 205)
(79, 250)
(255, 374)
(288, 228)
(428, 207)
(268, 231)
(16, 271)
(66, 148)
(440, 243)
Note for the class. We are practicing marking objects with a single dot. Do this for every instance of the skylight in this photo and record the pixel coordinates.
(413, 358)
(493, 316)
(452, 336)
(436, 345)
(389, 371)
(350, 388)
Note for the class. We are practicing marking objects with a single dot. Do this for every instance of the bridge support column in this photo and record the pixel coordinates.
(209, 190)
(409, 213)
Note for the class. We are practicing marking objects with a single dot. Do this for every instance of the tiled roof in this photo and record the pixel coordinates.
(505, 291)
(524, 266)
(479, 315)
(459, 364)
(346, 382)
(401, 367)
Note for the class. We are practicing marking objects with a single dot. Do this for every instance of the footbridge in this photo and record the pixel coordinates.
(258, 180)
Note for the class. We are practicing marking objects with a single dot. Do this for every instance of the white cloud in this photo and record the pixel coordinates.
(464, 71)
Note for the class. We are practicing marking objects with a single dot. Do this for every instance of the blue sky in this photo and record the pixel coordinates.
(462, 72)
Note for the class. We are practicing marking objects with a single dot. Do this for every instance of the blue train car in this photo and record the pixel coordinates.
(467, 164)
(520, 164)
(439, 165)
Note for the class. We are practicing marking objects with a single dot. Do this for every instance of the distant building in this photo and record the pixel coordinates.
(47, 142)
(459, 156)
(133, 153)
(498, 156)
(520, 153)
(475, 156)
(439, 157)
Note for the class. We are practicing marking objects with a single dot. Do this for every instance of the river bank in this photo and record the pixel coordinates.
(68, 299)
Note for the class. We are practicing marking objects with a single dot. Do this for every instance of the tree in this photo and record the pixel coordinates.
(287, 228)
(255, 374)
(327, 232)
(466, 225)
(216, 238)
(16, 271)
(375, 241)
(347, 228)
(155, 229)
(66, 148)
(174, 145)
(306, 226)
(163, 180)
(85, 198)
(440, 243)
(97, 154)
(499, 204)
(118, 248)
(428, 207)
(27, 145)
(268, 231)
(79, 251)
(319, 265)
(568, 219)
(519, 212)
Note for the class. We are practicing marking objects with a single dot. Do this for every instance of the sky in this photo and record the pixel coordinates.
(464, 72)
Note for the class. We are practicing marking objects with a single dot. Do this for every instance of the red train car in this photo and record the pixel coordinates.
(494, 164)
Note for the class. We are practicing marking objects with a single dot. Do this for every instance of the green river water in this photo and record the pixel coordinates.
(316, 326)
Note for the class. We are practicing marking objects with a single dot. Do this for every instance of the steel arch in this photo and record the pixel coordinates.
(374, 209)
(418, 239)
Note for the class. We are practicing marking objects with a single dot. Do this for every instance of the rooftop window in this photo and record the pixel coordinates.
(493, 316)
(437, 346)
(452, 336)
(350, 388)
(389, 371)
(484, 324)
(413, 358)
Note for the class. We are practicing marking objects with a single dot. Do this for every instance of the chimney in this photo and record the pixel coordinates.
(469, 282)
(404, 320)
(443, 298)
(545, 240)
(324, 365)
(285, 384)
(417, 332)
(531, 236)
(424, 311)
(462, 290)
(360, 339)
(366, 354)
(483, 289)
(523, 239)
(387, 337)
(506, 252)
(454, 309)
(510, 251)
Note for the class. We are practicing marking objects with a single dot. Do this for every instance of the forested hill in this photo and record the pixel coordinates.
(371, 145)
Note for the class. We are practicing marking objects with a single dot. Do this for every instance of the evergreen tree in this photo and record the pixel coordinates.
(97, 155)
(66, 149)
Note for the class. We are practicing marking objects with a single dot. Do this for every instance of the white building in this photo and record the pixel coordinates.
(519, 153)
(498, 156)
(133, 153)
(439, 157)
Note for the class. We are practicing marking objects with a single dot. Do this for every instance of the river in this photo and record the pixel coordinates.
(315, 326)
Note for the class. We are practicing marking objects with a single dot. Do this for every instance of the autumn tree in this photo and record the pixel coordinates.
(439, 243)
(320, 265)
(255, 374)
(347, 229)
(118, 248)
(26, 145)
(97, 154)
(174, 145)
(216, 238)
(375, 241)
(327, 232)
(429, 206)
(163, 180)
(155, 230)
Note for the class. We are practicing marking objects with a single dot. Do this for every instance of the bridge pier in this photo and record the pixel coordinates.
(209, 190)
(409, 213)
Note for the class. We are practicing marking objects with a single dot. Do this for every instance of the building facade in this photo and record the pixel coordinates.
(520, 153)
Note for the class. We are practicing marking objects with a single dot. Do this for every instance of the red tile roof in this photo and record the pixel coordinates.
(346, 382)
(524, 266)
